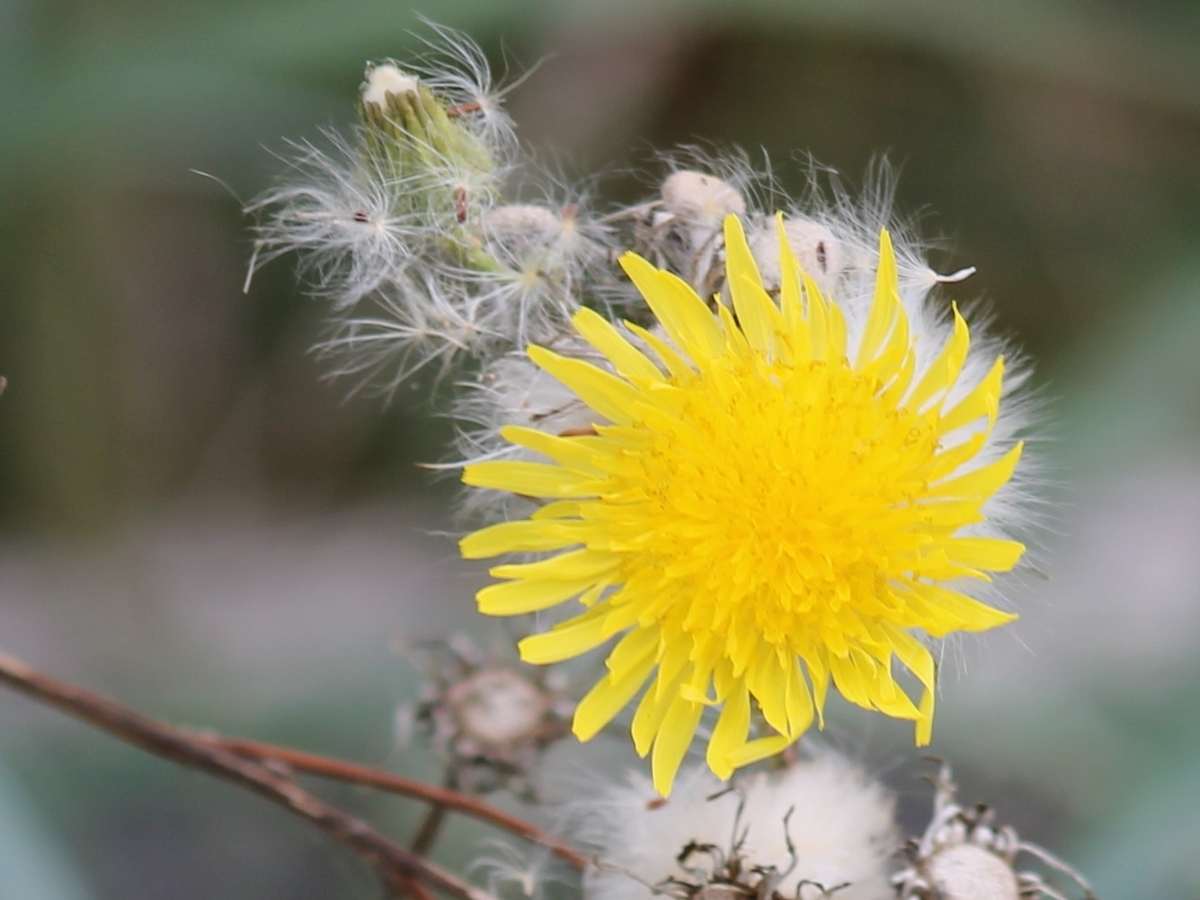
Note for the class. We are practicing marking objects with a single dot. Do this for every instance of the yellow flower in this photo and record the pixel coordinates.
(767, 507)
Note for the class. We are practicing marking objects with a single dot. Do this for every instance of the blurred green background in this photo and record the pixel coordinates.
(195, 521)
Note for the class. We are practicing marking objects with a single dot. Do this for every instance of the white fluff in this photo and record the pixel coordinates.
(841, 826)
(384, 79)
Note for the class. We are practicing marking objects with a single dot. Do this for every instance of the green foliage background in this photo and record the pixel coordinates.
(1056, 144)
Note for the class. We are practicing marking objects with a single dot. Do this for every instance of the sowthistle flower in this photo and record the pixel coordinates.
(788, 472)
(793, 490)
(771, 502)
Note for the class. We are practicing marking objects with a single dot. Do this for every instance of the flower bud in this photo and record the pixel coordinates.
(414, 137)
(384, 79)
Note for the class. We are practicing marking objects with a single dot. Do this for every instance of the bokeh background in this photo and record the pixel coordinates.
(194, 520)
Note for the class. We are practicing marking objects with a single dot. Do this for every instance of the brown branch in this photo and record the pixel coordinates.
(431, 825)
(400, 868)
(352, 773)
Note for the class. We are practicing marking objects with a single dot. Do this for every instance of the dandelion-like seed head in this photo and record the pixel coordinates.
(682, 228)
(339, 211)
(786, 497)
(819, 828)
(534, 262)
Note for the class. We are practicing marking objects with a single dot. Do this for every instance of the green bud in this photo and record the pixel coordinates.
(423, 146)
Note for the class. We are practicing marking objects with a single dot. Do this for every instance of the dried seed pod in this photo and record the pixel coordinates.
(683, 232)
(490, 719)
(964, 855)
(815, 246)
(701, 199)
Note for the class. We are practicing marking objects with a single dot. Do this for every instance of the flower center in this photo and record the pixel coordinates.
(784, 497)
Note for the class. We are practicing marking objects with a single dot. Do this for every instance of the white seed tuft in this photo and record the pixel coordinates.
(384, 79)
(841, 826)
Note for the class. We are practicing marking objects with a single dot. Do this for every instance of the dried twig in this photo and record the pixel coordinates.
(446, 798)
(399, 867)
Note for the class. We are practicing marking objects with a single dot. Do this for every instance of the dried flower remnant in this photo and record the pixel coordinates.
(488, 718)
(815, 246)
(681, 229)
(965, 855)
(776, 503)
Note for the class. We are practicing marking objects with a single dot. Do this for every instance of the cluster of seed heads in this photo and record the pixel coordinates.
(407, 229)
(404, 228)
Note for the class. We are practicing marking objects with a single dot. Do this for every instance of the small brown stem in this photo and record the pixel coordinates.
(398, 866)
(463, 109)
(353, 773)
(427, 833)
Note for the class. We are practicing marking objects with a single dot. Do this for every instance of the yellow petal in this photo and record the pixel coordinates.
(750, 301)
(609, 696)
(610, 396)
(514, 598)
(565, 640)
(576, 452)
(650, 712)
(522, 536)
(729, 734)
(676, 365)
(989, 554)
(528, 479)
(633, 650)
(626, 358)
(967, 614)
(981, 482)
(686, 318)
(758, 749)
(919, 661)
(885, 307)
(983, 401)
(570, 566)
(943, 371)
(671, 745)
(799, 702)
